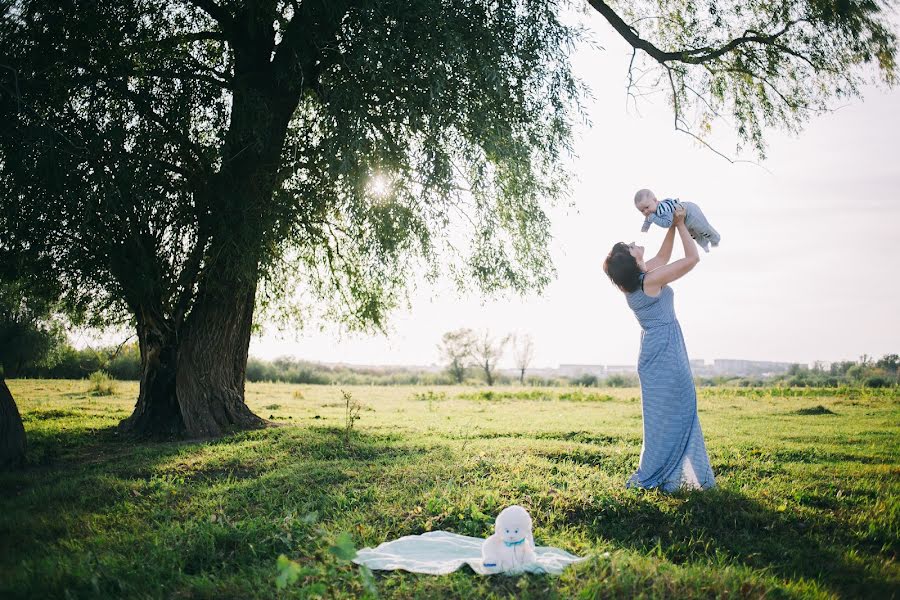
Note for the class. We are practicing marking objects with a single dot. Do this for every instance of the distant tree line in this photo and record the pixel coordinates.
(33, 345)
(63, 361)
(866, 372)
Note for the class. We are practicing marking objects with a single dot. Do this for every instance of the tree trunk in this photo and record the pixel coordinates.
(12, 432)
(156, 413)
(522, 377)
(212, 363)
(458, 371)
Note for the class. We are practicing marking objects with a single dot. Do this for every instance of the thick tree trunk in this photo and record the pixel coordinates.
(156, 412)
(212, 363)
(194, 380)
(193, 383)
(12, 432)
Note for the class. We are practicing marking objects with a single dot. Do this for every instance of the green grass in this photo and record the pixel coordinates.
(808, 501)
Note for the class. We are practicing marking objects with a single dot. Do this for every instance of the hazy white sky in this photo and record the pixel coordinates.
(805, 270)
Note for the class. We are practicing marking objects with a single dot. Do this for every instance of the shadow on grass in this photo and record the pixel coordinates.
(162, 511)
(584, 437)
(723, 525)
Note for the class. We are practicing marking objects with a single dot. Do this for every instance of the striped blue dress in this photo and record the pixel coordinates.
(673, 454)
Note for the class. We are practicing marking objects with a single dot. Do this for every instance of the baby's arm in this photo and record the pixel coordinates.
(664, 215)
(664, 220)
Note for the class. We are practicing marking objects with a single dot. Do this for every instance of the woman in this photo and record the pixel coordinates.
(673, 454)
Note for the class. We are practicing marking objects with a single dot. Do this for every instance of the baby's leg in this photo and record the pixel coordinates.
(699, 227)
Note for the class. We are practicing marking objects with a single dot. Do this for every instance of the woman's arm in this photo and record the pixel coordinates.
(656, 279)
(665, 251)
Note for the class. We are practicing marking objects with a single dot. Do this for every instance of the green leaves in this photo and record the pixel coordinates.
(464, 107)
(343, 547)
(368, 580)
(757, 64)
(288, 572)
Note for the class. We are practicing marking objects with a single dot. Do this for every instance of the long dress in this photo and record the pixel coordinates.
(673, 454)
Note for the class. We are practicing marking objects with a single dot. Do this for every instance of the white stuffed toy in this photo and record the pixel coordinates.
(512, 545)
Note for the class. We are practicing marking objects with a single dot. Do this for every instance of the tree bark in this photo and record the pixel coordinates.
(12, 432)
(212, 363)
(156, 413)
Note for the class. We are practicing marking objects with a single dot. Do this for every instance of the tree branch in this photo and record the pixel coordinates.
(181, 38)
(694, 56)
(312, 26)
(147, 110)
(679, 121)
(182, 76)
(218, 13)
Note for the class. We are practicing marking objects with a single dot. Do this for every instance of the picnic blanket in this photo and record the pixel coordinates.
(442, 552)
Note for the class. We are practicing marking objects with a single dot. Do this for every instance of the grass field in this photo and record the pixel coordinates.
(807, 504)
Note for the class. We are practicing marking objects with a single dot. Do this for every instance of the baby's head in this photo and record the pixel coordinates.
(513, 524)
(645, 201)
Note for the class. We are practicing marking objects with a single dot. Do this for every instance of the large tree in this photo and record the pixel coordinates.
(177, 163)
(169, 157)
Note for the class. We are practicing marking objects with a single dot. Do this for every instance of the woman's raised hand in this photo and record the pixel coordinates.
(658, 277)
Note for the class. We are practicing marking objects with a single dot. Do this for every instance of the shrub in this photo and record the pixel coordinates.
(618, 380)
(101, 384)
(877, 381)
(586, 380)
(579, 396)
(351, 414)
(429, 396)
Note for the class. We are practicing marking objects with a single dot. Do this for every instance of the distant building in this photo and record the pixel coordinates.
(699, 367)
(728, 366)
(620, 369)
(579, 370)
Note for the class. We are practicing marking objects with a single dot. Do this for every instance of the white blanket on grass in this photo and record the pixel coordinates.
(442, 552)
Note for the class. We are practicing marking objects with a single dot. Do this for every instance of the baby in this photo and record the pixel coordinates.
(661, 213)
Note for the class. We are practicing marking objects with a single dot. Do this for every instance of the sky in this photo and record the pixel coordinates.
(805, 270)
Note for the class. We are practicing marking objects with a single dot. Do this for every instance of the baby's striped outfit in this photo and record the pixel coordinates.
(694, 219)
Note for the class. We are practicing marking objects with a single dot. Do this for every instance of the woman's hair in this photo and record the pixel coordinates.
(622, 268)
